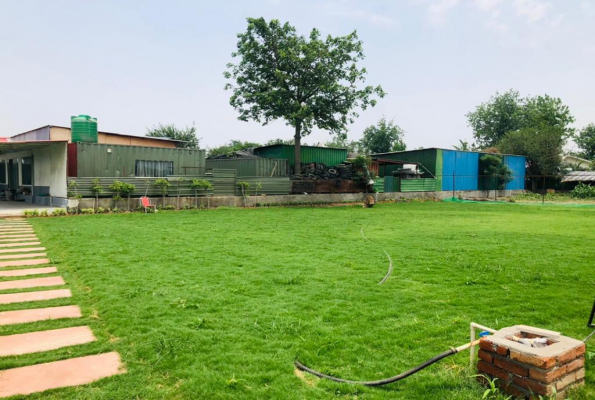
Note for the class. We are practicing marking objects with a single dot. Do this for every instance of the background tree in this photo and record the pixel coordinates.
(383, 137)
(494, 171)
(464, 145)
(585, 140)
(308, 82)
(341, 142)
(233, 145)
(187, 135)
(509, 112)
(542, 147)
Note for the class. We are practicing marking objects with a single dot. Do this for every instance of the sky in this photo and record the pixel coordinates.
(136, 63)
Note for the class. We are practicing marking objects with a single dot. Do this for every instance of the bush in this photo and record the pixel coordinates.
(31, 213)
(59, 212)
(116, 210)
(583, 191)
(87, 211)
(43, 213)
(169, 208)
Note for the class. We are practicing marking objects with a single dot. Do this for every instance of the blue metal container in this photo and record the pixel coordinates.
(517, 165)
(460, 170)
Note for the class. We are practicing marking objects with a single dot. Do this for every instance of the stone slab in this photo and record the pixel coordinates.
(58, 374)
(26, 255)
(19, 244)
(34, 296)
(23, 250)
(18, 235)
(39, 314)
(22, 263)
(32, 283)
(15, 229)
(35, 342)
(28, 271)
(26, 239)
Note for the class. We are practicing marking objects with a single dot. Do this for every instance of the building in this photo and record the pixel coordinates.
(35, 165)
(437, 169)
(574, 162)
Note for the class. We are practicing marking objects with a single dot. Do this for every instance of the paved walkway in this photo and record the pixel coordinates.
(19, 252)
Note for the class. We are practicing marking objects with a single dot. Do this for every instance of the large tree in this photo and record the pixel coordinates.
(508, 112)
(306, 81)
(585, 140)
(186, 136)
(541, 145)
(383, 137)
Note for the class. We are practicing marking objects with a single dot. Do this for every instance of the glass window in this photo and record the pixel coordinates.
(146, 168)
(26, 171)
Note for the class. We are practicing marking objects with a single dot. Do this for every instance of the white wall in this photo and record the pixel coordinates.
(50, 168)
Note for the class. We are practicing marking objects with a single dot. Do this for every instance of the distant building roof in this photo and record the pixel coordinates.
(107, 133)
(579, 176)
(440, 148)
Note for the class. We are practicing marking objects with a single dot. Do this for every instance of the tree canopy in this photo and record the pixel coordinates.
(542, 147)
(306, 81)
(186, 135)
(233, 145)
(509, 112)
(383, 137)
(585, 140)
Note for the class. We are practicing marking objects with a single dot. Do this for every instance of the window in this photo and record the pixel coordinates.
(145, 168)
(26, 171)
(3, 173)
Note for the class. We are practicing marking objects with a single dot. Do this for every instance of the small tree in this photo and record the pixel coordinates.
(306, 81)
(73, 191)
(200, 184)
(497, 173)
(163, 185)
(178, 182)
(117, 186)
(186, 136)
(383, 137)
(126, 189)
(96, 188)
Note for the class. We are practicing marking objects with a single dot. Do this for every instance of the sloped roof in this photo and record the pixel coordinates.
(579, 176)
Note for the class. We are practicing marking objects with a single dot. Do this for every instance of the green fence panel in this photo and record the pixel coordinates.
(266, 167)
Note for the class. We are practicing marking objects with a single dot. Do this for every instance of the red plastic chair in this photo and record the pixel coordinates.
(145, 202)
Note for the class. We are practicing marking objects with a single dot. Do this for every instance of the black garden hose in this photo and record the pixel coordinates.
(381, 382)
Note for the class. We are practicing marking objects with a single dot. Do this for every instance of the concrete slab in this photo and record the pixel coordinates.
(26, 255)
(19, 244)
(32, 283)
(17, 230)
(28, 271)
(35, 342)
(34, 296)
(58, 374)
(22, 263)
(21, 239)
(39, 314)
(22, 250)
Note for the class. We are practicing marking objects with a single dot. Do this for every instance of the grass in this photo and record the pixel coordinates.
(217, 304)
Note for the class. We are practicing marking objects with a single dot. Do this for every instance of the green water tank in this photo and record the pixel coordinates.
(84, 129)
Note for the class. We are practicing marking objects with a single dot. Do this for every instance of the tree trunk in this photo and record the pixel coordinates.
(297, 169)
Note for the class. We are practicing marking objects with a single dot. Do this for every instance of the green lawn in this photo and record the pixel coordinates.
(217, 304)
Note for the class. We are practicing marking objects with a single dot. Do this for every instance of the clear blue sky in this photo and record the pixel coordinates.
(133, 64)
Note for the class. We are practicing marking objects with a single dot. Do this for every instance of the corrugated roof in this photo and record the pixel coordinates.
(579, 176)
(11, 147)
(440, 148)
(107, 133)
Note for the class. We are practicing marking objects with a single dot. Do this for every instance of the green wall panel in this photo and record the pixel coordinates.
(252, 166)
(309, 154)
(97, 160)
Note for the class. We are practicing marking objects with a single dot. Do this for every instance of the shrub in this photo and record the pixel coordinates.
(59, 212)
(583, 191)
(73, 192)
(244, 187)
(116, 210)
(168, 208)
(87, 211)
(31, 213)
(43, 213)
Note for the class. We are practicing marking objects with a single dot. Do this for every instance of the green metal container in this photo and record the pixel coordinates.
(84, 129)
(309, 154)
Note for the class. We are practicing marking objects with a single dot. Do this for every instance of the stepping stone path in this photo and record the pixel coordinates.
(18, 248)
